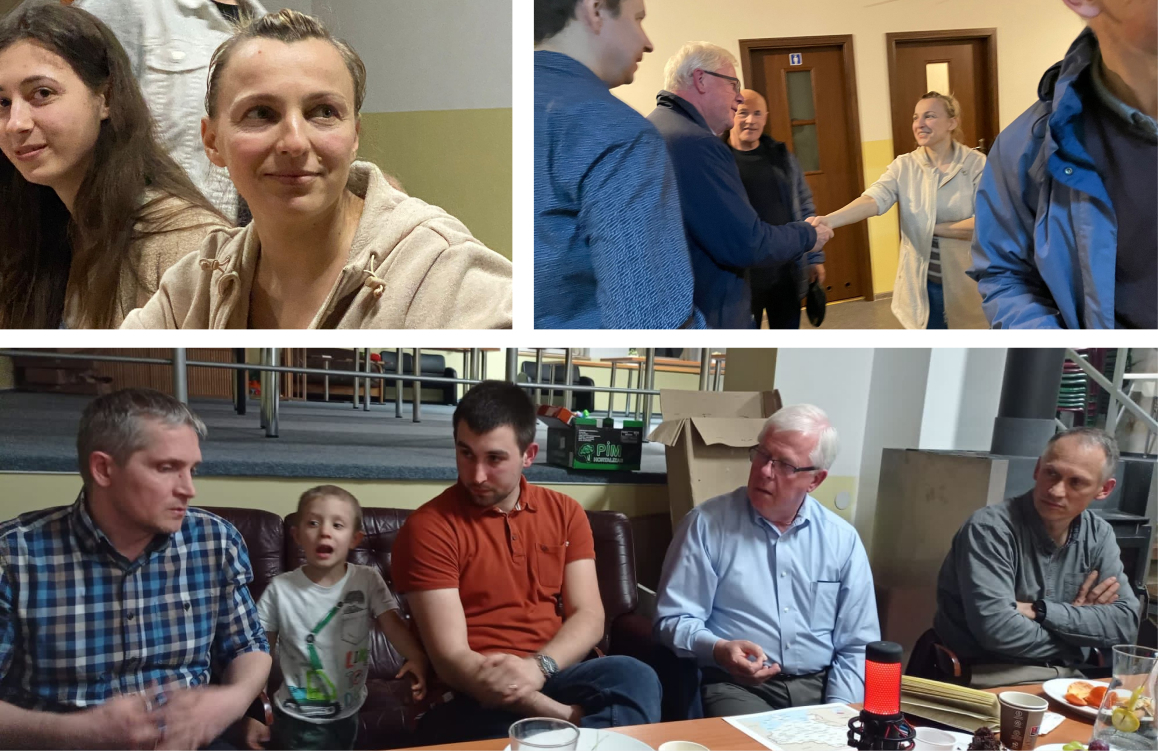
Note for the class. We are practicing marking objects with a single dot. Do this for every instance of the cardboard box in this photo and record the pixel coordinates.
(707, 435)
(586, 444)
(556, 416)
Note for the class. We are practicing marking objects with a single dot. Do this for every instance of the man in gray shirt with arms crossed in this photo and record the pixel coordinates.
(1033, 584)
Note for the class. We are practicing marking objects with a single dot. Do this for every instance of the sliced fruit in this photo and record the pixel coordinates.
(1125, 721)
(1096, 696)
(1079, 690)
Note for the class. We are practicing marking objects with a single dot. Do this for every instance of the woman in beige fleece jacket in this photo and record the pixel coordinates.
(332, 244)
(92, 209)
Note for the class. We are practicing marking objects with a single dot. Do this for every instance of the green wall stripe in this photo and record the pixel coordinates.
(457, 159)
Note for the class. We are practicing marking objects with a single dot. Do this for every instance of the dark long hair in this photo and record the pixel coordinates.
(125, 197)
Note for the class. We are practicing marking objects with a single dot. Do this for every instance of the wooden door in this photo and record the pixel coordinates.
(811, 95)
(964, 62)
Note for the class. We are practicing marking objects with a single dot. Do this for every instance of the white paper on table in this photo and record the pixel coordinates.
(820, 726)
(1050, 721)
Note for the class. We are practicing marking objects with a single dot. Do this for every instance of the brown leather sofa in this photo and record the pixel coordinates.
(388, 717)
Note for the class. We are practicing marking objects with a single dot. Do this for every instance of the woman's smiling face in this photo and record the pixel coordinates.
(932, 125)
(286, 126)
(49, 119)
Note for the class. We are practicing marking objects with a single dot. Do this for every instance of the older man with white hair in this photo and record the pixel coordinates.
(768, 590)
(725, 234)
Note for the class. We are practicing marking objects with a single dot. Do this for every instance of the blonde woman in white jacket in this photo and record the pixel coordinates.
(935, 186)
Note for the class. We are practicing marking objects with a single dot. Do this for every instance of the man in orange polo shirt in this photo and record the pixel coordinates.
(500, 578)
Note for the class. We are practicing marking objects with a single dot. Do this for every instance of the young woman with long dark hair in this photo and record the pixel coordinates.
(93, 211)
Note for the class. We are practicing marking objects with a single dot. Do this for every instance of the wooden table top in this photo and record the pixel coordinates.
(718, 735)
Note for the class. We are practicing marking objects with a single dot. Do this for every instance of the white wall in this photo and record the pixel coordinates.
(893, 415)
(1031, 36)
(894, 398)
(837, 381)
(961, 399)
(428, 54)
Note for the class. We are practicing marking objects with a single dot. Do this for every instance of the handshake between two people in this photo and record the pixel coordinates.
(824, 232)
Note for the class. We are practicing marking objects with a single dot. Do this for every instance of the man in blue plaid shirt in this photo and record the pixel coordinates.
(116, 610)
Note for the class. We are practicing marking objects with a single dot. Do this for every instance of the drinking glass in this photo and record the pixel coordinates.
(1126, 717)
(543, 734)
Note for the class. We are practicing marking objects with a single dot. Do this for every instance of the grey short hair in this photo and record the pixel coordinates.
(810, 420)
(677, 74)
(115, 424)
(1091, 437)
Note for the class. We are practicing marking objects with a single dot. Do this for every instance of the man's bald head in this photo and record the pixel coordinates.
(748, 124)
(753, 98)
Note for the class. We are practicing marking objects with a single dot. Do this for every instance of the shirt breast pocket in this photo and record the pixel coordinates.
(174, 84)
(550, 560)
(824, 597)
(1071, 583)
(186, 622)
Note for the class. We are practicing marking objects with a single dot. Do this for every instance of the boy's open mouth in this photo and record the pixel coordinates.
(324, 551)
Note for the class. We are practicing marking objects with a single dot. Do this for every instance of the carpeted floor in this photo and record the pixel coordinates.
(38, 434)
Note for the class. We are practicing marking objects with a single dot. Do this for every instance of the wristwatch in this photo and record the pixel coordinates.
(1038, 611)
(547, 665)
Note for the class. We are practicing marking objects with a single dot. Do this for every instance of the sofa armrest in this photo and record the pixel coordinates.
(630, 634)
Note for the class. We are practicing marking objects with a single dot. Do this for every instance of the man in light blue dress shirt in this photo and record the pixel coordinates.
(766, 589)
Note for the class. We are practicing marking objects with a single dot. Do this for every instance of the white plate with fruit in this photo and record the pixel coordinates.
(1130, 709)
(1081, 696)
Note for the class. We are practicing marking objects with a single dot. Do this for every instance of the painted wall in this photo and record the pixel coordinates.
(962, 397)
(892, 419)
(438, 101)
(1031, 36)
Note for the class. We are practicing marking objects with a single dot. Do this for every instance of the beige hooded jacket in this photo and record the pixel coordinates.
(152, 257)
(411, 266)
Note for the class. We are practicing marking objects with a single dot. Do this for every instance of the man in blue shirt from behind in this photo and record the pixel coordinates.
(609, 242)
(725, 234)
(766, 589)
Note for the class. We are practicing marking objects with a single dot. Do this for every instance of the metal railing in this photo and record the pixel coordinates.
(270, 378)
(1119, 400)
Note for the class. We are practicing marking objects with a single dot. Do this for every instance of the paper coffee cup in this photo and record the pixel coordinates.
(1021, 715)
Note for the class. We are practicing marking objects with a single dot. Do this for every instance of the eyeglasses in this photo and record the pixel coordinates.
(734, 81)
(779, 466)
